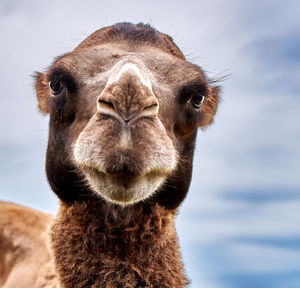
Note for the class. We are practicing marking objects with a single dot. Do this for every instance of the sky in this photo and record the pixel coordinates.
(239, 225)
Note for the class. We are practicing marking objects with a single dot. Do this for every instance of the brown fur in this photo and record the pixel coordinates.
(129, 247)
(119, 157)
(139, 34)
(24, 260)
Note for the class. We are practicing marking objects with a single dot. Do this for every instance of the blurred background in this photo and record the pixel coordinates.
(239, 226)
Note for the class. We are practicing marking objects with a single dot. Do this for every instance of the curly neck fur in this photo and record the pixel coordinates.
(97, 244)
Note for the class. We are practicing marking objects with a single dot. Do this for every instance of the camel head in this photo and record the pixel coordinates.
(124, 110)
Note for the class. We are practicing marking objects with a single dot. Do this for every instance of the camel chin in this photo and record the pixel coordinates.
(124, 189)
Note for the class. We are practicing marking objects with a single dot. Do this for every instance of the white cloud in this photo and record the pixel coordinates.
(261, 259)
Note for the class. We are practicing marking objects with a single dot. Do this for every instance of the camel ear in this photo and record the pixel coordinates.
(42, 92)
(206, 118)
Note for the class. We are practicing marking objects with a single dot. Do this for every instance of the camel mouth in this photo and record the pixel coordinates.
(124, 188)
(124, 169)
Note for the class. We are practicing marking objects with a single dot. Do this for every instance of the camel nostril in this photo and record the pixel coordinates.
(151, 107)
(106, 103)
(150, 110)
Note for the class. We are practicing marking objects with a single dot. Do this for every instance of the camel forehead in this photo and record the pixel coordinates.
(99, 61)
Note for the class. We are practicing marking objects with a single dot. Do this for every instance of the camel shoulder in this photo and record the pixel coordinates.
(23, 240)
(17, 219)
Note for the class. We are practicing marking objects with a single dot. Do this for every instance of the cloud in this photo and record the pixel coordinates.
(277, 58)
(277, 51)
(280, 241)
(264, 280)
(263, 195)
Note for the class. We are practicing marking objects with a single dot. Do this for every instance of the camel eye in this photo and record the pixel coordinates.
(197, 100)
(56, 86)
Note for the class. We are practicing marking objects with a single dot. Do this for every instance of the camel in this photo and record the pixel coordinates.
(125, 106)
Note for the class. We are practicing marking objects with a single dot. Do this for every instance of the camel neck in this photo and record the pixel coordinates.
(96, 244)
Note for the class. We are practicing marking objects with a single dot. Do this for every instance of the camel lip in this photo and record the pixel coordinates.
(123, 175)
(120, 178)
(123, 189)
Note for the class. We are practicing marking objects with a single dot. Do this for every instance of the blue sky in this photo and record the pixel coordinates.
(239, 226)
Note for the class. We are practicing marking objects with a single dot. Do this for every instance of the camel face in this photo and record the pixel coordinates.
(125, 150)
(122, 117)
